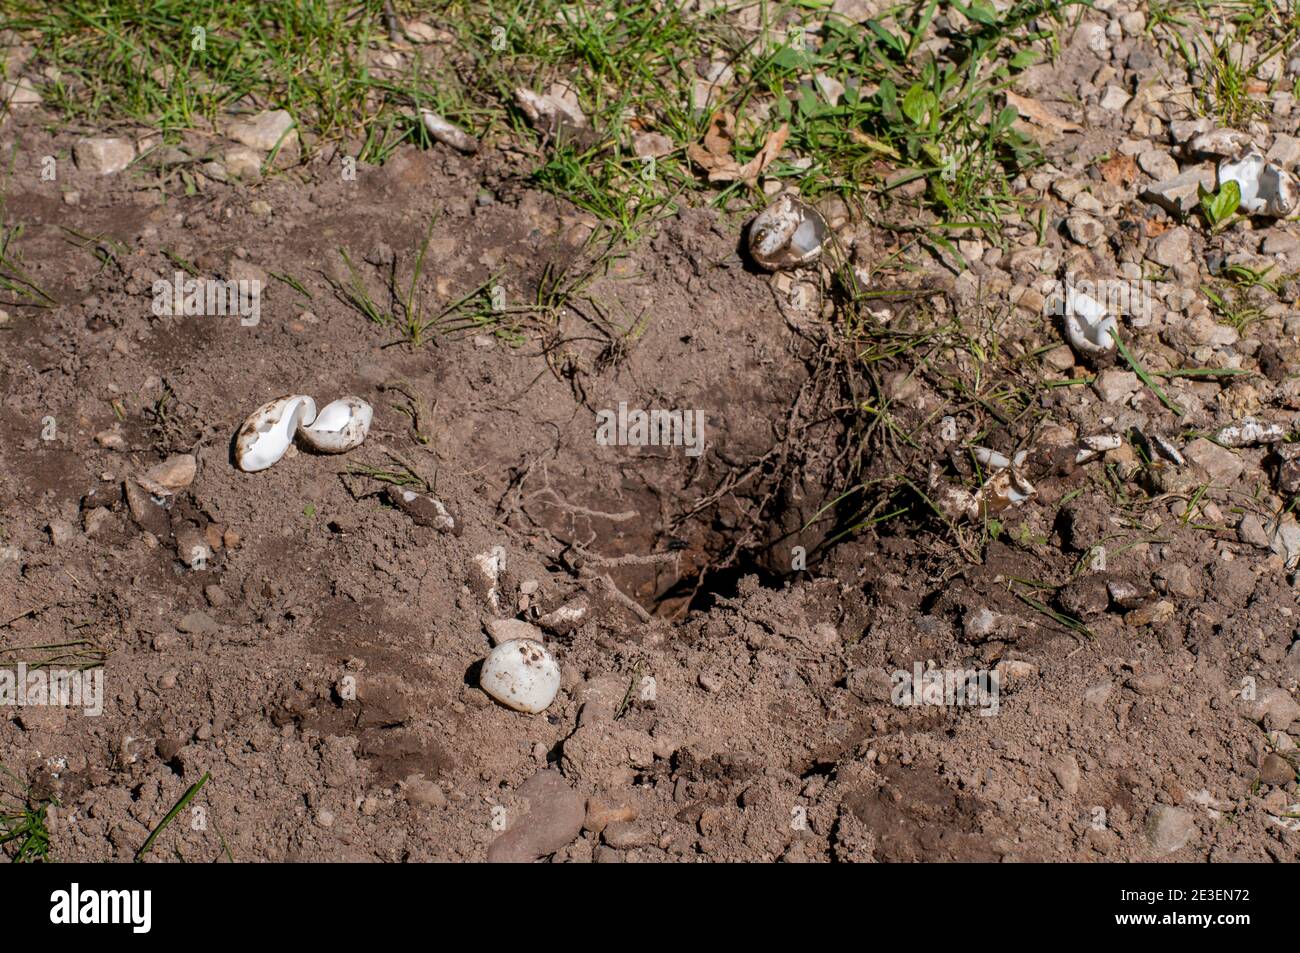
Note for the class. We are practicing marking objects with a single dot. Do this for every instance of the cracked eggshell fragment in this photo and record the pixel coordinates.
(567, 617)
(553, 110)
(1087, 325)
(268, 432)
(787, 234)
(521, 674)
(424, 510)
(1266, 189)
(1004, 489)
(990, 459)
(341, 426)
(485, 576)
(1250, 432)
(1162, 447)
(1094, 446)
(448, 134)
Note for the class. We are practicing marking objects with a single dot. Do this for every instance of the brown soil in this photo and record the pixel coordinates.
(769, 733)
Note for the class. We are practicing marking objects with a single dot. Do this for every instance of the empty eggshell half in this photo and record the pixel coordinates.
(341, 426)
(521, 674)
(268, 432)
(1087, 325)
(787, 234)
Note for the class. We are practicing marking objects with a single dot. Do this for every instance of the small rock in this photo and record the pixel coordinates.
(507, 630)
(193, 548)
(624, 835)
(197, 623)
(601, 814)
(1065, 769)
(1084, 597)
(265, 131)
(103, 156)
(1114, 99)
(555, 816)
(1275, 708)
(61, 532)
(1251, 531)
(147, 514)
(1285, 151)
(1153, 614)
(1012, 671)
(92, 521)
(711, 682)
(980, 624)
(423, 793)
(1180, 194)
(1222, 465)
(447, 133)
(1219, 144)
(1158, 164)
(111, 440)
(1176, 579)
(1172, 248)
(1149, 683)
(1116, 386)
(173, 474)
(1276, 770)
(242, 162)
(19, 95)
(1168, 829)
(600, 698)
(1084, 229)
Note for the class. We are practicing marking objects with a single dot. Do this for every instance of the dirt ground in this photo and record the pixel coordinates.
(728, 691)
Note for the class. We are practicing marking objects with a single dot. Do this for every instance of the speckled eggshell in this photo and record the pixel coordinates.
(521, 674)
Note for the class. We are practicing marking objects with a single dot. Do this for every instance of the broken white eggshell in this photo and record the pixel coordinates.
(1250, 432)
(787, 234)
(341, 426)
(1266, 189)
(1095, 446)
(268, 432)
(485, 578)
(521, 674)
(447, 133)
(1087, 325)
(553, 110)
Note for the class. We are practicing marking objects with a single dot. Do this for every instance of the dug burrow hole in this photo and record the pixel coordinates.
(675, 533)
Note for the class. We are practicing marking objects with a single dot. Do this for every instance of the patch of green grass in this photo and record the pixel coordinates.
(905, 113)
(1230, 298)
(24, 825)
(1229, 87)
(170, 816)
(170, 63)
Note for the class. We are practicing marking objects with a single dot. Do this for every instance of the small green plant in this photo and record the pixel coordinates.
(24, 825)
(1219, 207)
